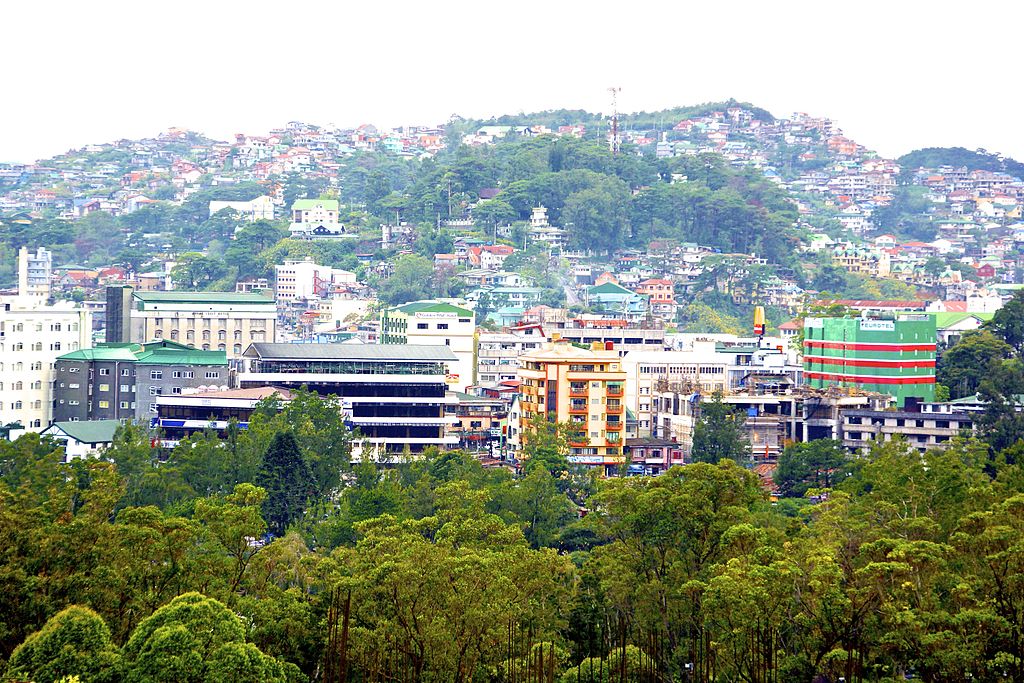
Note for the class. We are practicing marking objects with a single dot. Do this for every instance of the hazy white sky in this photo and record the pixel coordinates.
(896, 75)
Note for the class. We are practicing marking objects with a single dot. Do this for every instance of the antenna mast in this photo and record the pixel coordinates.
(613, 142)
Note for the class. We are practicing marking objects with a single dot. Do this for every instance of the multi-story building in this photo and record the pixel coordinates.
(708, 366)
(478, 420)
(121, 381)
(210, 321)
(31, 339)
(622, 334)
(304, 279)
(315, 218)
(931, 427)
(436, 323)
(34, 273)
(582, 387)
(181, 415)
(894, 356)
(395, 395)
(498, 352)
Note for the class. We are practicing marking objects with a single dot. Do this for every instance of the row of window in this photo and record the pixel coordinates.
(54, 327)
(19, 405)
(38, 346)
(21, 366)
(18, 386)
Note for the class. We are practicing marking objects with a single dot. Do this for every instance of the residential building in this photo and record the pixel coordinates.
(661, 295)
(498, 352)
(304, 279)
(894, 356)
(436, 323)
(931, 427)
(394, 394)
(31, 339)
(478, 420)
(121, 381)
(583, 387)
(211, 321)
(316, 218)
(625, 336)
(83, 439)
(35, 270)
(258, 209)
(708, 366)
(542, 231)
(651, 455)
(611, 298)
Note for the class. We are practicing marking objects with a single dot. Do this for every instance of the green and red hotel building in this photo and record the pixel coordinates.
(894, 356)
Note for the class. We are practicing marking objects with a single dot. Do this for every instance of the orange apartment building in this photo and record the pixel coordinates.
(584, 387)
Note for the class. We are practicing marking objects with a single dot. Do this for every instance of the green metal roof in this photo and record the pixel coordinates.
(307, 204)
(89, 431)
(163, 352)
(944, 320)
(203, 297)
(610, 288)
(187, 357)
(433, 307)
(109, 352)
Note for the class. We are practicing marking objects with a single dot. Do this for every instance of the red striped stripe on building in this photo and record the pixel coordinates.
(869, 362)
(868, 346)
(869, 379)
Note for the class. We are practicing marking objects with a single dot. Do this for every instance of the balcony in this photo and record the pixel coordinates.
(577, 389)
(578, 407)
(614, 426)
(614, 408)
(579, 440)
(615, 390)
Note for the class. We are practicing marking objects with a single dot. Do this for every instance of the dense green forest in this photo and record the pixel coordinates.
(267, 554)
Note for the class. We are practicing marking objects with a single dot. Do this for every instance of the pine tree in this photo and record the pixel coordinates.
(287, 480)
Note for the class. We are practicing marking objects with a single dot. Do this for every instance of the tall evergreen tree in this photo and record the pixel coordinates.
(719, 435)
(287, 480)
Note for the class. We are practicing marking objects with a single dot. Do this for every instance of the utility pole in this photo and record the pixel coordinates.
(613, 142)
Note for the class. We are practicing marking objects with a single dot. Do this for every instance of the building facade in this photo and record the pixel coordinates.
(209, 321)
(304, 279)
(582, 387)
(436, 323)
(122, 381)
(31, 339)
(395, 395)
(35, 270)
(894, 356)
(498, 352)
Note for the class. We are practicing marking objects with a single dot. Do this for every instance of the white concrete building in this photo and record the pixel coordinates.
(498, 352)
(306, 280)
(436, 323)
(260, 208)
(708, 366)
(34, 273)
(31, 338)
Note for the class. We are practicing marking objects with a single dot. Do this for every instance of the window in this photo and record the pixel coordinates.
(124, 405)
(222, 335)
(55, 346)
(156, 374)
(190, 334)
(206, 335)
(212, 375)
(126, 372)
(104, 404)
(104, 387)
(16, 386)
(71, 369)
(152, 407)
(176, 374)
(238, 335)
(442, 326)
(421, 326)
(236, 349)
(176, 391)
(38, 346)
(174, 334)
(39, 385)
(125, 388)
(221, 347)
(104, 371)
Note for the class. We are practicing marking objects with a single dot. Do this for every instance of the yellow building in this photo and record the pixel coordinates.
(580, 386)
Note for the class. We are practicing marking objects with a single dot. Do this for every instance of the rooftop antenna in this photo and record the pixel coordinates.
(613, 143)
